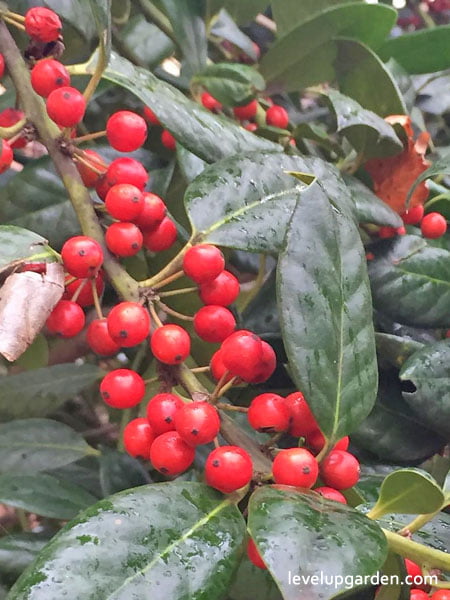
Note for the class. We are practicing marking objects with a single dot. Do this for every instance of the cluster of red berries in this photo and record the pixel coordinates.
(418, 594)
(433, 225)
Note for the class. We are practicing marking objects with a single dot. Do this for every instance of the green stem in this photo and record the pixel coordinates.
(170, 269)
(50, 135)
(420, 554)
(22, 517)
(421, 520)
(159, 19)
(9, 132)
(101, 65)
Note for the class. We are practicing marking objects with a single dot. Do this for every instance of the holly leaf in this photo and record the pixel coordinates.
(231, 84)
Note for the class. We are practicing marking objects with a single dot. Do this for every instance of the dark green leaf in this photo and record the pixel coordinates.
(429, 371)
(30, 445)
(370, 135)
(439, 167)
(17, 551)
(411, 281)
(325, 310)
(393, 432)
(36, 355)
(394, 566)
(35, 198)
(84, 473)
(118, 472)
(38, 392)
(261, 315)
(191, 166)
(363, 77)
(370, 481)
(317, 133)
(288, 14)
(408, 491)
(76, 12)
(150, 45)
(101, 11)
(251, 582)
(18, 245)
(173, 540)
(368, 207)
(299, 534)
(435, 533)
(231, 84)
(425, 51)
(225, 28)
(44, 495)
(208, 136)
(305, 55)
(395, 349)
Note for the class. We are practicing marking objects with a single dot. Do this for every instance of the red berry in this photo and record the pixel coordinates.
(203, 263)
(161, 411)
(99, 340)
(42, 24)
(214, 323)
(441, 595)
(296, 467)
(66, 106)
(414, 215)
(197, 423)
(124, 202)
(2, 65)
(126, 131)
(277, 116)
(90, 176)
(170, 344)
(126, 170)
(254, 556)
(228, 468)
(268, 413)
(102, 187)
(66, 319)
(387, 232)
(331, 494)
(241, 353)
(210, 103)
(153, 212)
(150, 116)
(6, 156)
(82, 256)
(162, 237)
(8, 118)
(251, 127)
(246, 112)
(122, 388)
(303, 421)
(86, 296)
(316, 441)
(123, 239)
(223, 290)
(170, 455)
(433, 225)
(266, 366)
(340, 470)
(168, 140)
(48, 75)
(417, 594)
(128, 324)
(217, 367)
(138, 437)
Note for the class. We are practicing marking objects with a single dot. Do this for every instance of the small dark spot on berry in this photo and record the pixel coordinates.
(135, 245)
(163, 469)
(123, 333)
(81, 252)
(306, 470)
(67, 96)
(135, 199)
(105, 395)
(194, 431)
(216, 463)
(168, 419)
(178, 358)
(59, 81)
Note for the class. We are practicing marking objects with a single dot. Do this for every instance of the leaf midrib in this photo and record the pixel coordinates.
(407, 492)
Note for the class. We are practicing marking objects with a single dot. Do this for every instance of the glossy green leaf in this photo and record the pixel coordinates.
(411, 281)
(209, 136)
(394, 567)
(36, 393)
(370, 481)
(18, 245)
(392, 431)
(101, 11)
(317, 133)
(261, 315)
(425, 51)
(368, 207)
(30, 445)
(325, 310)
(435, 533)
(50, 214)
(364, 77)
(17, 551)
(84, 473)
(149, 44)
(369, 134)
(251, 197)
(119, 471)
(300, 534)
(36, 355)
(172, 540)
(187, 20)
(250, 582)
(190, 165)
(394, 349)
(305, 55)
(44, 495)
(231, 83)
(408, 491)
(439, 167)
(288, 14)
(429, 371)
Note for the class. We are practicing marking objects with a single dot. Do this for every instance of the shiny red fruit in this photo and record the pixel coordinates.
(161, 411)
(66, 106)
(218, 369)
(8, 118)
(210, 103)
(197, 423)
(268, 413)
(153, 212)
(414, 215)
(126, 131)
(123, 239)
(86, 296)
(99, 340)
(168, 140)
(2, 65)
(124, 202)
(6, 156)
(416, 576)
(138, 437)
(48, 75)
(266, 366)
(122, 388)
(171, 455)
(277, 116)
(331, 494)
(42, 24)
(254, 556)
(126, 170)
(228, 468)
(441, 595)
(241, 353)
(89, 175)
(162, 237)
(223, 290)
(433, 225)
(340, 470)
(66, 319)
(150, 116)
(303, 421)
(128, 324)
(246, 112)
(295, 466)
(170, 344)
(417, 594)
(214, 323)
(203, 263)
(82, 256)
